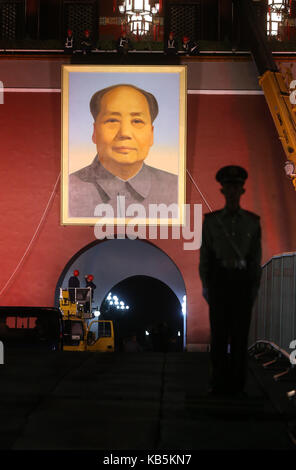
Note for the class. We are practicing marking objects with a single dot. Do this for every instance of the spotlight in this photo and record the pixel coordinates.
(291, 394)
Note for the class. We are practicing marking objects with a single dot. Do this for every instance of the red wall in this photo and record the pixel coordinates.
(222, 130)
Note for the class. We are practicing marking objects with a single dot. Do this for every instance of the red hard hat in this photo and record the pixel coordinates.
(90, 277)
(185, 38)
(76, 272)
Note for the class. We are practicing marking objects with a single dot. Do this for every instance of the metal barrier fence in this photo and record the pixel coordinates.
(275, 308)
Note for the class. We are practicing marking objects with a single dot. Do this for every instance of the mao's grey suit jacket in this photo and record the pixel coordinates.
(93, 185)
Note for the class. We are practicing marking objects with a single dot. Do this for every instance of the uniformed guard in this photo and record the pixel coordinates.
(189, 47)
(69, 42)
(86, 43)
(230, 270)
(171, 45)
(123, 44)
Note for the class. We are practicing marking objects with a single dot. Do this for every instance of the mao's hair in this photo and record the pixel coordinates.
(95, 101)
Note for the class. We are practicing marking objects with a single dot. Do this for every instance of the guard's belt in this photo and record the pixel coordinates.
(234, 264)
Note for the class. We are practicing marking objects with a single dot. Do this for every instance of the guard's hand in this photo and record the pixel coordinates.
(205, 293)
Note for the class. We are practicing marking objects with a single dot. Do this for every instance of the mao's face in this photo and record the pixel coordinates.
(123, 132)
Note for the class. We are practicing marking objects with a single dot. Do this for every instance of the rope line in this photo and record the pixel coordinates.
(45, 214)
(34, 236)
(199, 191)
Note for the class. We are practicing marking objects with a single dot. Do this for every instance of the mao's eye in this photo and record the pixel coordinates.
(111, 120)
(138, 122)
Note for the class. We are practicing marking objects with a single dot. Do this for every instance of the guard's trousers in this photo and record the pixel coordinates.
(230, 316)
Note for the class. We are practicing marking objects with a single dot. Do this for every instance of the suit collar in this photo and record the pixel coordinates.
(111, 184)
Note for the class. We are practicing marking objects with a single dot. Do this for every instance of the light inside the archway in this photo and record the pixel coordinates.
(184, 305)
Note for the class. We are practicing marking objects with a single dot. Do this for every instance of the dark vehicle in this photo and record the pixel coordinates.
(31, 327)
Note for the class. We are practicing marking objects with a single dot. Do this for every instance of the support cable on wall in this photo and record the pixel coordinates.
(43, 217)
(199, 191)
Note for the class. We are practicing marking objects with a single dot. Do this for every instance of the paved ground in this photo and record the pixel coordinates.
(147, 401)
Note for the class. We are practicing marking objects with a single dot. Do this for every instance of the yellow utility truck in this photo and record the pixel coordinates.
(82, 330)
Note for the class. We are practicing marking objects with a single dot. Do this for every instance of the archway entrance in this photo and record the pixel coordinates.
(146, 310)
(113, 262)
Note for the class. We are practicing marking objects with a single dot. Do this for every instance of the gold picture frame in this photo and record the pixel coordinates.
(169, 85)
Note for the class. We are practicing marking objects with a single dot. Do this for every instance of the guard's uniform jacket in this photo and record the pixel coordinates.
(231, 242)
(230, 271)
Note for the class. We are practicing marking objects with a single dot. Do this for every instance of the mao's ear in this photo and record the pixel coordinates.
(94, 139)
(152, 135)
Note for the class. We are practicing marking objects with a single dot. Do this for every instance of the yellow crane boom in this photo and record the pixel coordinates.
(281, 104)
